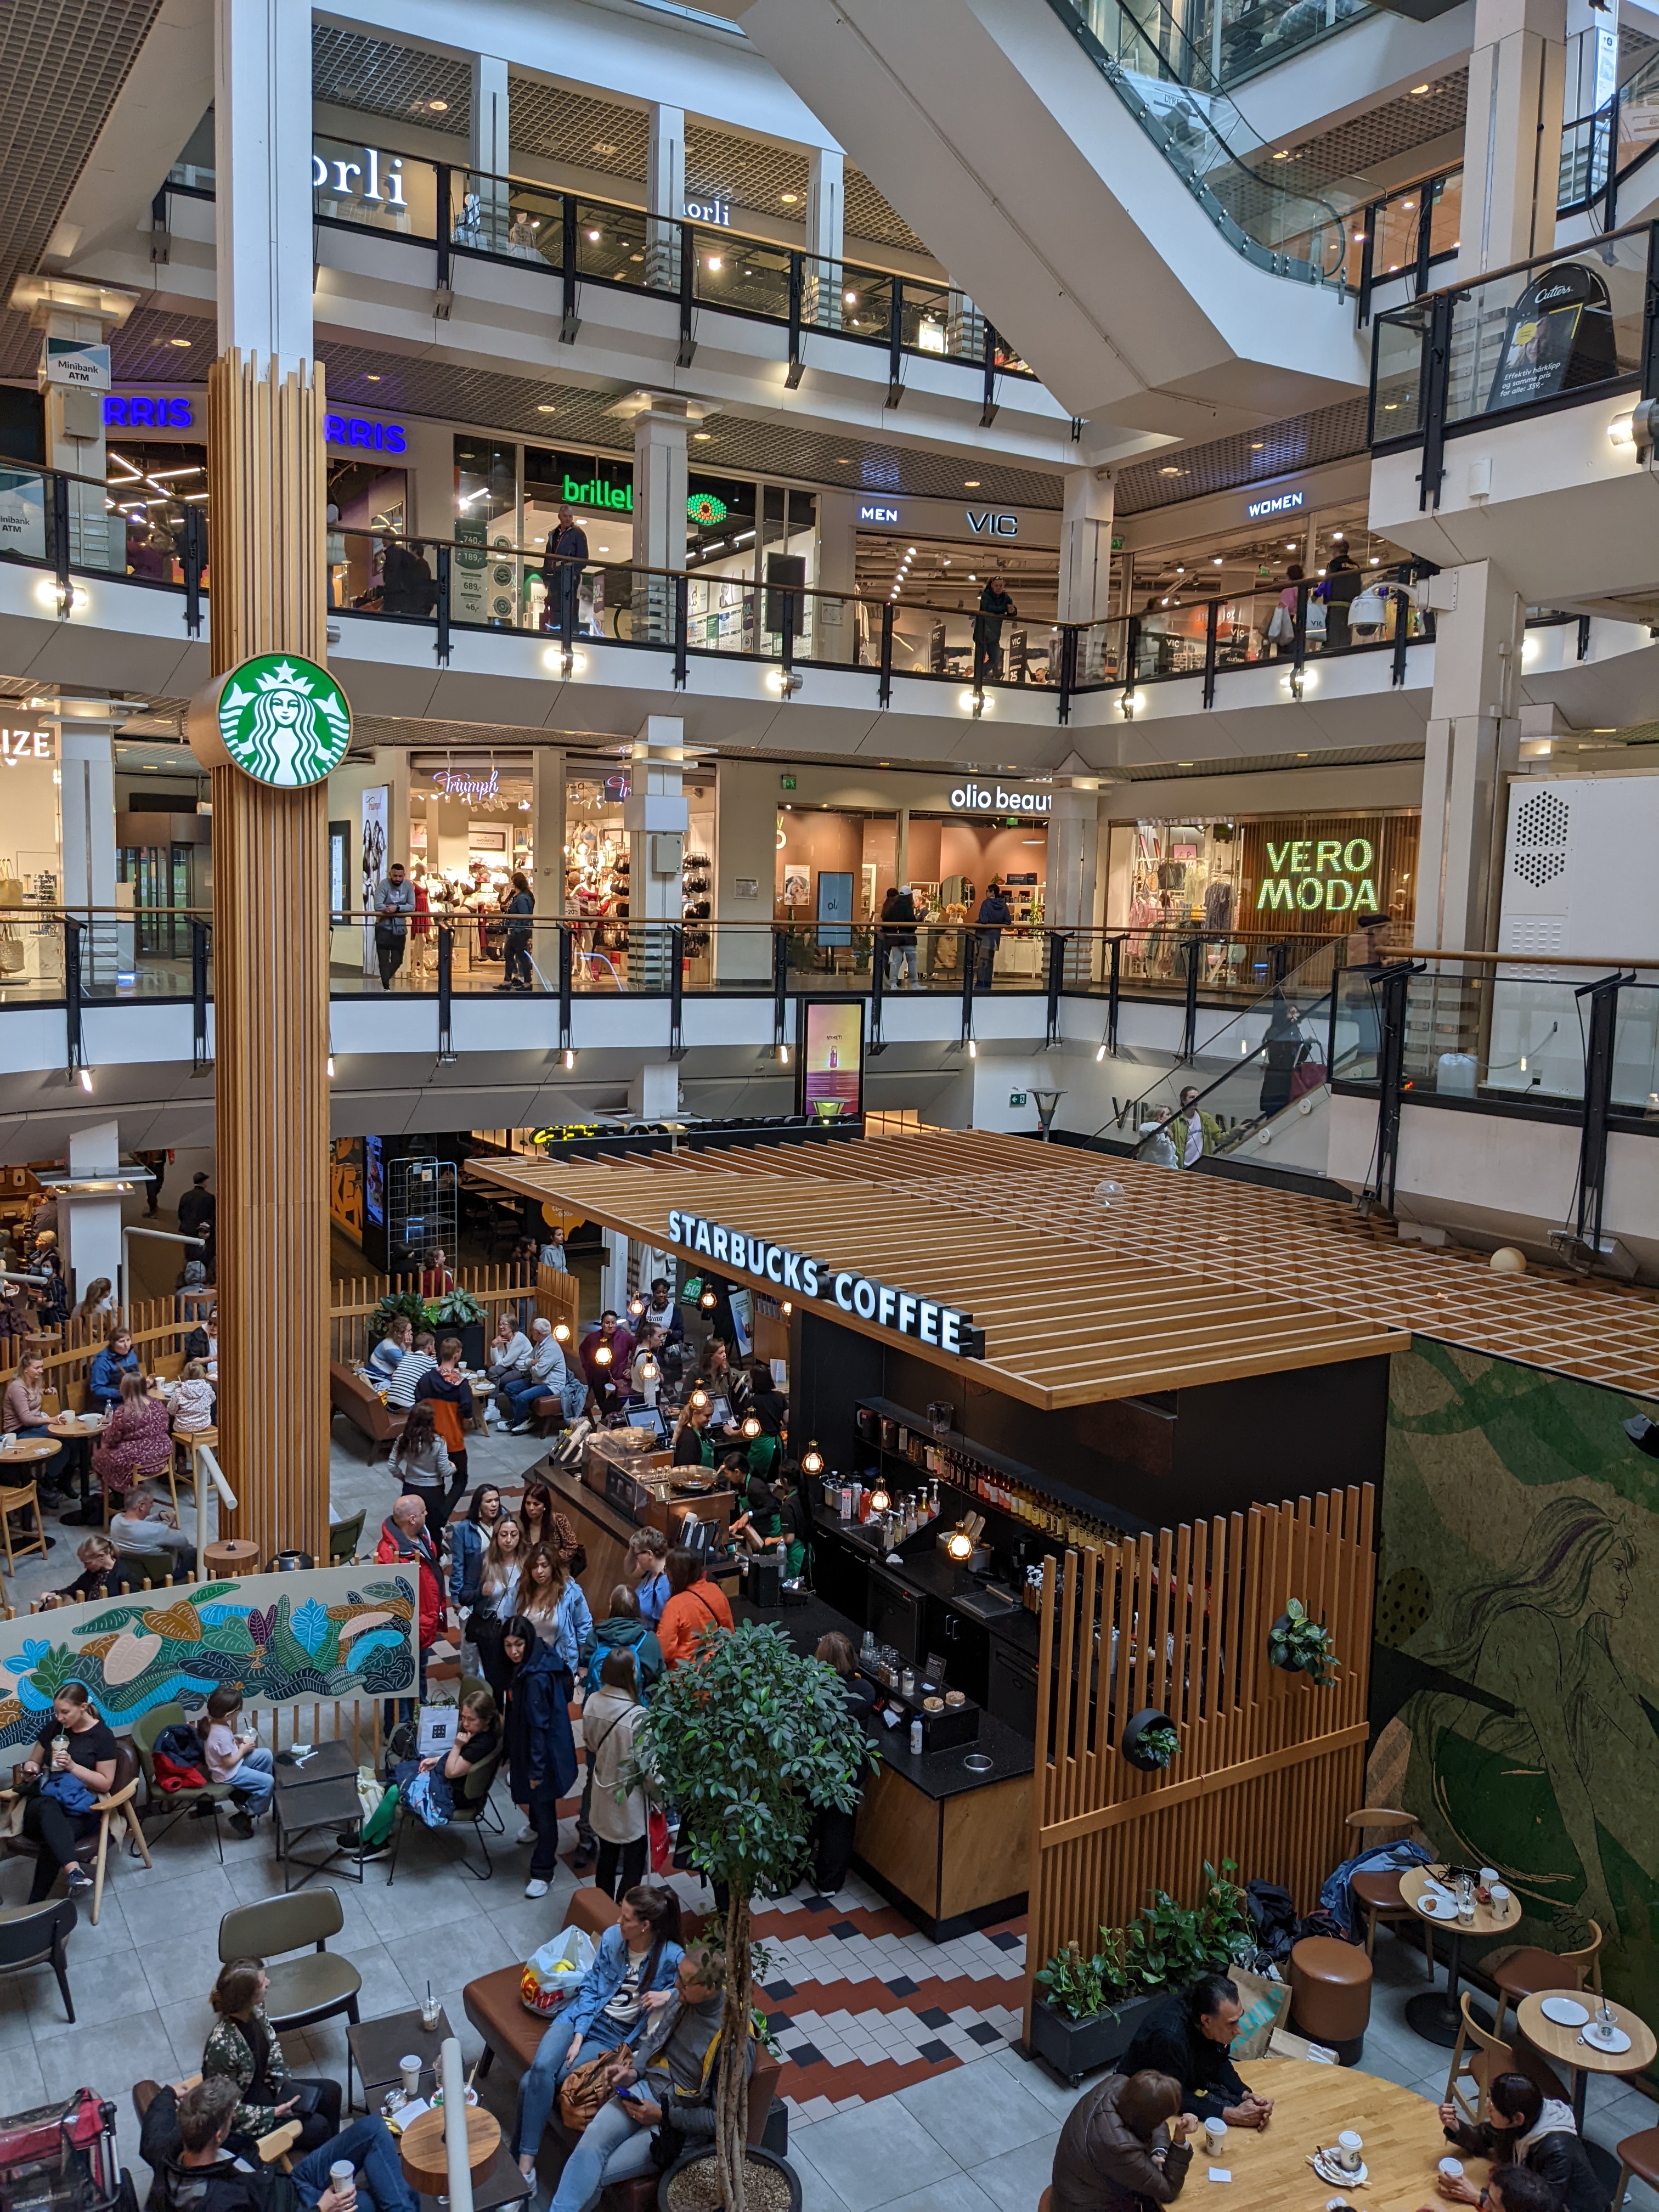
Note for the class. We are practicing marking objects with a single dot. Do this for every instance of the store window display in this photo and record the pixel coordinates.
(470, 831)
(598, 871)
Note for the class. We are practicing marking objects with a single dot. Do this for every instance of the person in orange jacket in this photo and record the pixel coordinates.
(693, 1602)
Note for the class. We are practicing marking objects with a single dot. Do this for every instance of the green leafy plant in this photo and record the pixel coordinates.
(1167, 1945)
(1225, 1932)
(397, 1306)
(1158, 1745)
(453, 1306)
(749, 1740)
(1297, 1641)
(1082, 1988)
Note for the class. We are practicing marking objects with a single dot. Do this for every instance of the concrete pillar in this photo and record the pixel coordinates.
(613, 1276)
(1512, 135)
(547, 837)
(1592, 78)
(1472, 738)
(746, 846)
(1088, 502)
(825, 239)
(487, 150)
(661, 423)
(266, 400)
(90, 1229)
(1073, 855)
(837, 572)
(654, 1091)
(665, 201)
(656, 816)
(69, 314)
(901, 847)
(86, 805)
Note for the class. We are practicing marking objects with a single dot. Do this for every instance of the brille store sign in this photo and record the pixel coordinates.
(988, 799)
(1323, 875)
(924, 1319)
(1284, 503)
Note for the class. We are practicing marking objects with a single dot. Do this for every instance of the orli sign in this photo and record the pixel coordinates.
(280, 719)
(924, 1319)
(1323, 875)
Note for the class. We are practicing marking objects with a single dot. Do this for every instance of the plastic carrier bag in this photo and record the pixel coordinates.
(551, 1973)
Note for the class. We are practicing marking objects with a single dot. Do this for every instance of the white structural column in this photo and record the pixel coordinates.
(86, 803)
(1471, 740)
(613, 1281)
(1087, 506)
(837, 637)
(664, 198)
(662, 422)
(656, 816)
(487, 149)
(1592, 78)
(69, 315)
(547, 839)
(262, 205)
(1512, 137)
(1073, 859)
(90, 1229)
(826, 233)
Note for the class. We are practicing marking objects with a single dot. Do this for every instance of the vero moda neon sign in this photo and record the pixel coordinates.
(926, 1320)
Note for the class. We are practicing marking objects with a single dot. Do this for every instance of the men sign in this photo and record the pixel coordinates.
(279, 718)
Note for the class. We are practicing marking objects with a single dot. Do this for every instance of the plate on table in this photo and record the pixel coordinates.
(1436, 1907)
(1563, 2011)
(1328, 2170)
(1611, 2042)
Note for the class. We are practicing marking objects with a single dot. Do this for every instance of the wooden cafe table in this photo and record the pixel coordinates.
(1434, 2015)
(1403, 2139)
(1569, 2047)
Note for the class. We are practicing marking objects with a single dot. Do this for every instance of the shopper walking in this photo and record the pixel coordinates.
(394, 903)
(1281, 626)
(899, 935)
(995, 915)
(518, 910)
(995, 608)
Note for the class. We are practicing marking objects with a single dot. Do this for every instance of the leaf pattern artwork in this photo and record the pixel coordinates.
(283, 1638)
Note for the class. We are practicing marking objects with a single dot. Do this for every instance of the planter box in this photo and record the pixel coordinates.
(1072, 2048)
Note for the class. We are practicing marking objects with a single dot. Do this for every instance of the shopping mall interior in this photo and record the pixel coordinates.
(781, 775)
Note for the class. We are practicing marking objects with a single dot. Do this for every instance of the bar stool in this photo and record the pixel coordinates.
(1331, 1994)
(1377, 1888)
(1528, 1970)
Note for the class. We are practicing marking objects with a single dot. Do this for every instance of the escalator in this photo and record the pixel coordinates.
(1086, 175)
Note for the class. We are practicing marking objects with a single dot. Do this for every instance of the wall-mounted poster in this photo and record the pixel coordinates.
(797, 886)
(375, 818)
(339, 868)
(1559, 337)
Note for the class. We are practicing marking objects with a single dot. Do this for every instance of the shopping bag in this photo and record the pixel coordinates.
(551, 1973)
(662, 1847)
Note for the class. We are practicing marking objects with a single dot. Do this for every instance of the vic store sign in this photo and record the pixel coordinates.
(901, 1311)
(1320, 875)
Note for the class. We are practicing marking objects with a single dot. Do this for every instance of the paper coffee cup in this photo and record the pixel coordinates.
(1215, 2136)
(409, 2067)
(1451, 2169)
(1349, 2146)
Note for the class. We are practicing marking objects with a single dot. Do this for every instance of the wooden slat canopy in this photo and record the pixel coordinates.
(1233, 1259)
(1064, 1324)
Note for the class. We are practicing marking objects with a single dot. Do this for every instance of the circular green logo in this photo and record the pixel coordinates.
(284, 721)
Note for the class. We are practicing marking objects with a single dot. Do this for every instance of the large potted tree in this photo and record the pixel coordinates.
(749, 1739)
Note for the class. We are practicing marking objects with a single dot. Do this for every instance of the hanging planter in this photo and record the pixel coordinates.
(1150, 1741)
(1303, 1646)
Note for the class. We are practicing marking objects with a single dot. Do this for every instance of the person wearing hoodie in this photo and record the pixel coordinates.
(673, 2070)
(1524, 2128)
(1124, 2146)
(623, 1629)
(541, 1750)
(405, 1536)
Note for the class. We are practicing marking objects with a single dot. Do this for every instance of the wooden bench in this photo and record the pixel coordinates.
(350, 1395)
(495, 2008)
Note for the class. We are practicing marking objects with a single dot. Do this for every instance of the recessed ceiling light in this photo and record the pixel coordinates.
(971, 483)
(593, 237)
(437, 107)
(843, 461)
(1169, 471)
(701, 437)
(371, 376)
(602, 146)
(1259, 442)
(1284, 155)
(543, 407)
(185, 342)
(788, 199)
(1417, 91)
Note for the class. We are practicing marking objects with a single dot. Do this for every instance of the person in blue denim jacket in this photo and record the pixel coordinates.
(632, 1975)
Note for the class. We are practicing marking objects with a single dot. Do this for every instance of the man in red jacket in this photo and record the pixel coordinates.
(404, 1536)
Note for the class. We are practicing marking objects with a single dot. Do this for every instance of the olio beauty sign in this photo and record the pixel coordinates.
(280, 719)
(901, 1311)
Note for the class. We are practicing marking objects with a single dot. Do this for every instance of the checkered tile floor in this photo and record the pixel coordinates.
(861, 2005)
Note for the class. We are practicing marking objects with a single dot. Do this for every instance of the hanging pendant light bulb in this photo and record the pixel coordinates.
(751, 1427)
(811, 1461)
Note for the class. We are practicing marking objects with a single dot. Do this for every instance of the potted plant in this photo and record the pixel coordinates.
(1150, 1741)
(749, 1739)
(1303, 1646)
(1088, 2013)
(395, 1306)
(457, 1313)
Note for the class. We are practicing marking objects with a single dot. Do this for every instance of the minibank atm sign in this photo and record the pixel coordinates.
(1320, 875)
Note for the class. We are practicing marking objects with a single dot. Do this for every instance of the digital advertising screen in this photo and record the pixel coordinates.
(832, 1060)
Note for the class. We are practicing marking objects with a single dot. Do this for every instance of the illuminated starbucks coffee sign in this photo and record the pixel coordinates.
(280, 719)
(1322, 875)
(926, 1320)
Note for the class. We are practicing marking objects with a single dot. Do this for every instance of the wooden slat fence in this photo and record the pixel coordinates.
(1268, 1765)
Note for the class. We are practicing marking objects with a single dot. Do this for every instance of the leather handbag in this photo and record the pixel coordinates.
(583, 2091)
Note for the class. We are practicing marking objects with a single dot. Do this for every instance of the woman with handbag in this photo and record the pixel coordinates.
(242, 2046)
(632, 1974)
(618, 1808)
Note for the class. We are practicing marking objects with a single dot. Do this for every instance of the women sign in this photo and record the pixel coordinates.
(279, 718)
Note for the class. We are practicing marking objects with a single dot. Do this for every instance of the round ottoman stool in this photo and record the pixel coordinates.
(1331, 1995)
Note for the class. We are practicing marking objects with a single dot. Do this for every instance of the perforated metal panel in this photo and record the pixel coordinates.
(379, 77)
(1273, 449)
(1539, 839)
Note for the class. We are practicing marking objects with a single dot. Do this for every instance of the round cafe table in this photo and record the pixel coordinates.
(1566, 2047)
(1400, 2131)
(77, 1431)
(1435, 2014)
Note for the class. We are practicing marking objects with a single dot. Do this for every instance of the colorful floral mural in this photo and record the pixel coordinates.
(328, 1633)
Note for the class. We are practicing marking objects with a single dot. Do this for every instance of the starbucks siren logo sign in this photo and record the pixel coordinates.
(280, 719)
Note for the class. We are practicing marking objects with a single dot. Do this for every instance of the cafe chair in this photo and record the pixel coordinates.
(314, 1986)
(472, 1810)
(1375, 1890)
(207, 1801)
(342, 1539)
(152, 1567)
(1478, 2057)
(116, 1809)
(1638, 2160)
(22, 1497)
(1526, 1972)
(35, 1936)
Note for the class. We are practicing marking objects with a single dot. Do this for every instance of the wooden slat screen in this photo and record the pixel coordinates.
(1268, 1765)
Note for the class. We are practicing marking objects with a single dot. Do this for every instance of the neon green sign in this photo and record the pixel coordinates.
(1320, 875)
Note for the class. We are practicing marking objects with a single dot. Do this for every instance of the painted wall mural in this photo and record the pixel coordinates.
(1515, 1694)
(342, 1632)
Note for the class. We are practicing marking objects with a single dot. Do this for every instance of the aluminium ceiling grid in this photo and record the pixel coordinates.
(1273, 449)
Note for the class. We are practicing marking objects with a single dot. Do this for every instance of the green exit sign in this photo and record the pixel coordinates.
(788, 782)
(1016, 1098)
(1117, 545)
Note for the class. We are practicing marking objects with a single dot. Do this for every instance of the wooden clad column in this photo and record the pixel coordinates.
(266, 508)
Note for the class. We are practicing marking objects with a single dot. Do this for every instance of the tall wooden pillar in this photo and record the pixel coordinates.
(266, 502)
